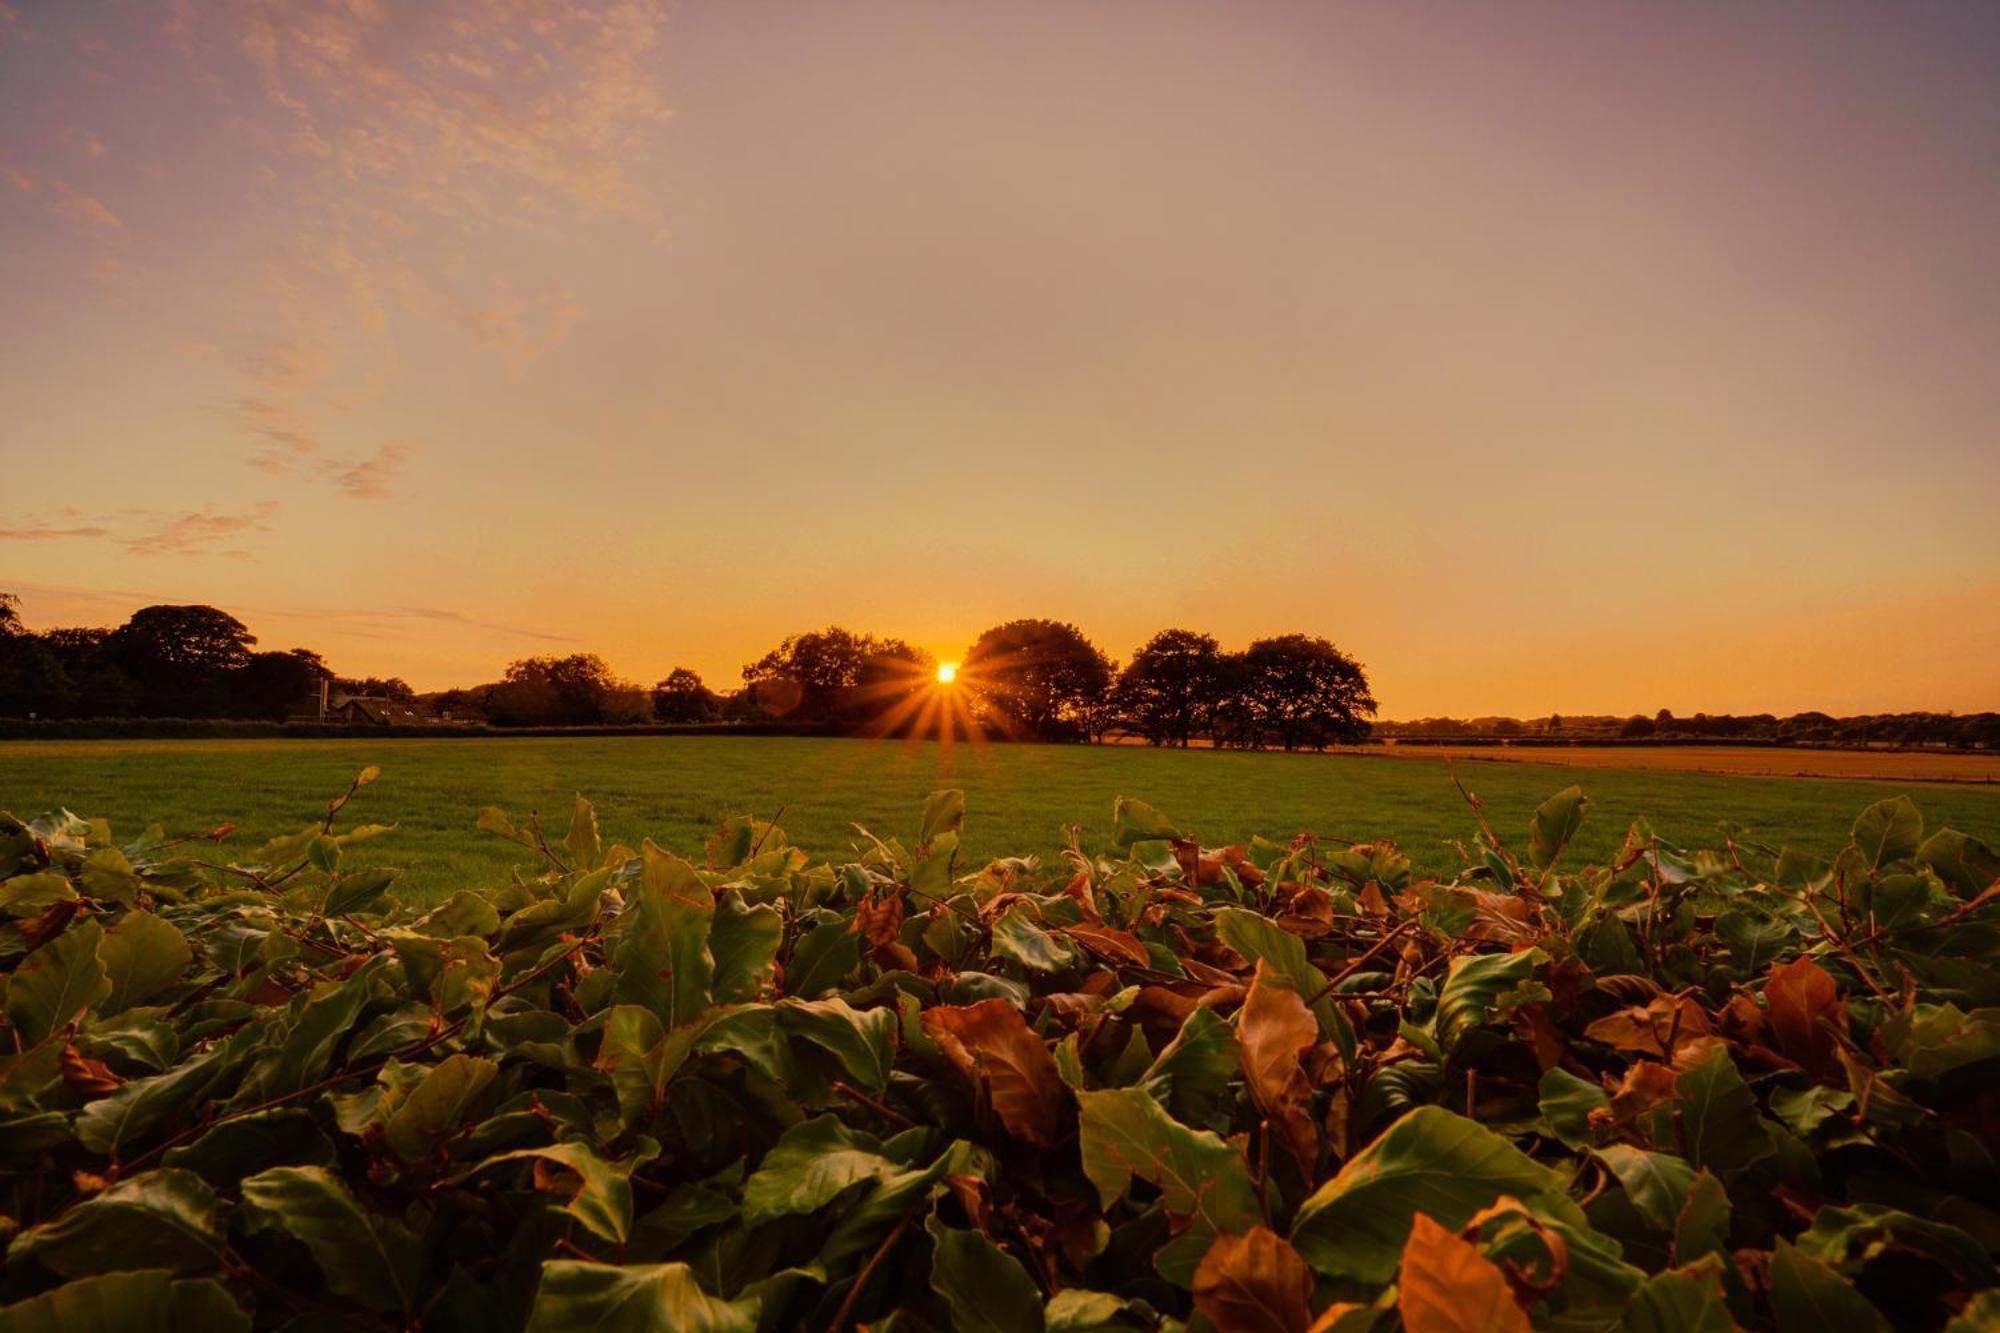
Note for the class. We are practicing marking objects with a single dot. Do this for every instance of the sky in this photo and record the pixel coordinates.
(1592, 357)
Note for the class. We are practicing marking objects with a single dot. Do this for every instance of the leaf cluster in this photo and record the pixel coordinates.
(1267, 1087)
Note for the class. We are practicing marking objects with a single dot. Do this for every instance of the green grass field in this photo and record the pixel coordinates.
(1020, 797)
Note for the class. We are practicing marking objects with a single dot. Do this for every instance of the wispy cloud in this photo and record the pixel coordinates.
(65, 199)
(287, 437)
(370, 478)
(50, 534)
(522, 327)
(203, 532)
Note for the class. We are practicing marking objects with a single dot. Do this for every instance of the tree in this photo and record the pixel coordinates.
(10, 616)
(1039, 678)
(1169, 690)
(573, 691)
(271, 685)
(180, 657)
(375, 687)
(836, 675)
(682, 698)
(1305, 692)
(1637, 727)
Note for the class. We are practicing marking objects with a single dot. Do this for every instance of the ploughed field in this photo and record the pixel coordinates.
(1021, 798)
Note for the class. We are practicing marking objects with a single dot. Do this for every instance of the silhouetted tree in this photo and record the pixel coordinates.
(181, 658)
(1637, 727)
(1169, 690)
(1305, 693)
(375, 687)
(1039, 678)
(271, 685)
(836, 675)
(682, 697)
(573, 691)
(10, 615)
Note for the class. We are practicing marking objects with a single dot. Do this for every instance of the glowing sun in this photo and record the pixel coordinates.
(947, 672)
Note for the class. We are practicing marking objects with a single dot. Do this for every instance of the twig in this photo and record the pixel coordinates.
(840, 1316)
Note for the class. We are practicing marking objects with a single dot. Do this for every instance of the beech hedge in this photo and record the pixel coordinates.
(1280, 1086)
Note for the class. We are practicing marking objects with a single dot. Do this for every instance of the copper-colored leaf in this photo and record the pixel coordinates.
(1119, 946)
(1254, 1283)
(1648, 1084)
(990, 1044)
(1273, 1033)
(879, 920)
(1661, 1027)
(1448, 1286)
(1800, 1001)
(82, 1074)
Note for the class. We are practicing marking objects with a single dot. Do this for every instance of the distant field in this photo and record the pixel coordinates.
(1743, 760)
(677, 789)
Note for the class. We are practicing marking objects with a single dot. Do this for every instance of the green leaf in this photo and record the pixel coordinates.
(944, 812)
(107, 876)
(640, 1298)
(1755, 942)
(157, 1219)
(142, 955)
(1554, 823)
(1566, 1103)
(1192, 1075)
(1132, 820)
(358, 888)
(1720, 1125)
(438, 1106)
(862, 1040)
(1964, 863)
(1016, 936)
(985, 1288)
(1202, 1179)
(1890, 830)
(1259, 939)
(641, 1059)
(584, 847)
(1473, 987)
(1808, 1297)
(57, 983)
(662, 956)
(1429, 1161)
(147, 1301)
(1703, 1224)
(809, 1166)
(602, 1203)
(25, 895)
(744, 942)
(822, 959)
(1656, 1183)
(1686, 1300)
(363, 1256)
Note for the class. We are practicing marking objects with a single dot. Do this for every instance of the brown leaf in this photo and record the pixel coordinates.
(1448, 1286)
(990, 1044)
(1254, 1283)
(1661, 1027)
(1273, 1033)
(1108, 942)
(46, 924)
(1800, 1001)
(85, 1075)
(1647, 1085)
(879, 920)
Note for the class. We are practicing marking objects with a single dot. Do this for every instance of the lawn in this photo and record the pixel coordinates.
(1020, 797)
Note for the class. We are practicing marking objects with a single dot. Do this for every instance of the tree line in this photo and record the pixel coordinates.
(1024, 679)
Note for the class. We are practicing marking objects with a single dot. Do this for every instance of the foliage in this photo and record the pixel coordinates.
(835, 675)
(1039, 678)
(579, 690)
(1171, 688)
(1180, 1087)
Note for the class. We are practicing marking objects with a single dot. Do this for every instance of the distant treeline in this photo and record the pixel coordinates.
(1025, 679)
(1965, 731)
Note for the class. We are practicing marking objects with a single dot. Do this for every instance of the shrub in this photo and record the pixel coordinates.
(1252, 1085)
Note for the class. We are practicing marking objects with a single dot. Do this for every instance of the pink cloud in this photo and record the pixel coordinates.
(49, 534)
(198, 533)
(370, 478)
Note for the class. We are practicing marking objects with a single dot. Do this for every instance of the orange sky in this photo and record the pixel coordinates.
(1592, 356)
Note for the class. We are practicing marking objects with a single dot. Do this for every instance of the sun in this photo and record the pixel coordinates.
(947, 672)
